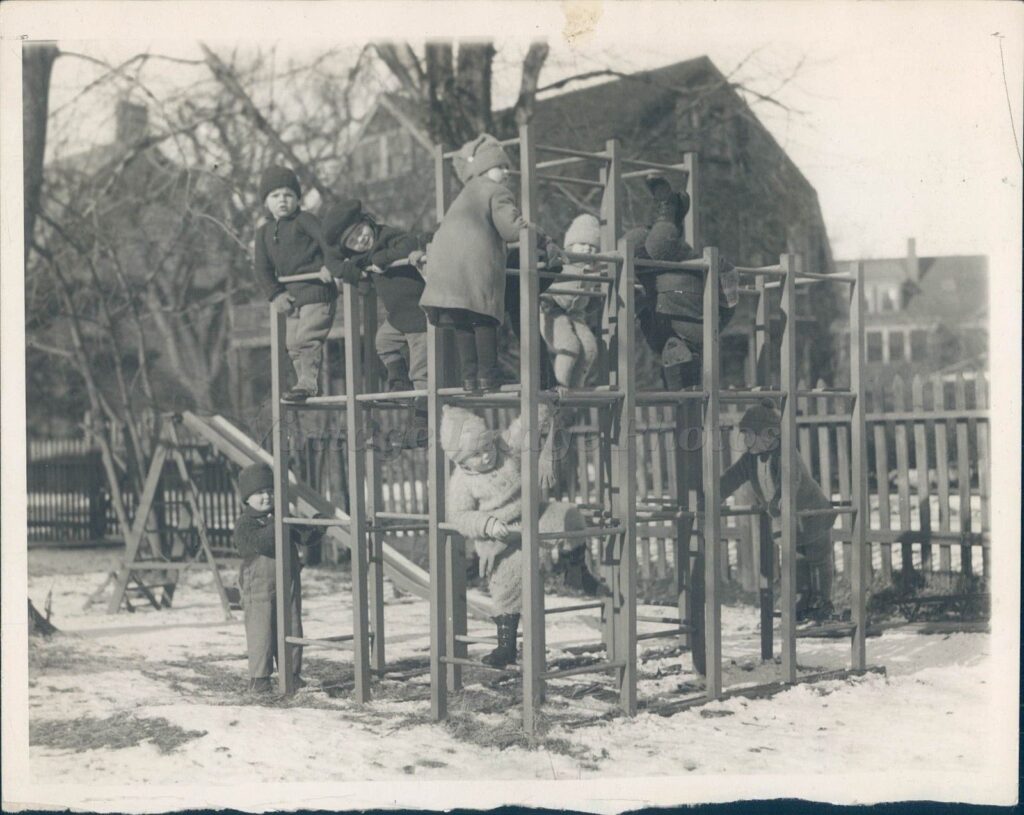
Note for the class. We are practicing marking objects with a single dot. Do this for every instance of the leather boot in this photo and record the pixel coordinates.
(505, 653)
(398, 375)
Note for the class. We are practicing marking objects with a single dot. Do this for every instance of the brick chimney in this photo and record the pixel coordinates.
(132, 123)
(913, 265)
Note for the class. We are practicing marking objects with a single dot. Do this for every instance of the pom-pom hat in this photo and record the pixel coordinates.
(275, 177)
(478, 156)
(586, 229)
(663, 242)
(761, 417)
(463, 433)
(340, 218)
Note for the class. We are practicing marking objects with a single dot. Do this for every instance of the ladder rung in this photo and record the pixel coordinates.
(473, 663)
(318, 522)
(848, 394)
(746, 395)
(577, 607)
(695, 265)
(762, 271)
(836, 278)
(828, 511)
(476, 640)
(384, 396)
(589, 532)
(670, 632)
(323, 642)
(647, 618)
(401, 516)
(595, 667)
(667, 397)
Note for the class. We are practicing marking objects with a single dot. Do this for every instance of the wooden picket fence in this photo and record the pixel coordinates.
(929, 463)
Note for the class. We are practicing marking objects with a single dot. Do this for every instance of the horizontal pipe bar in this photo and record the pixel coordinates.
(646, 173)
(567, 276)
(836, 278)
(401, 516)
(671, 632)
(596, 667)
(647, 618)
(388, 395)
(577, 607)
(318, 522)
(407, 527)
(590, 532)
(653, 165)
(473, 663)
(566, 151)
(695, 265)
(806, 513)
(476, 640)
(654, 397)
(761, 271)
(819, 392)
(560, 162)
(565, 179)
(745, 395)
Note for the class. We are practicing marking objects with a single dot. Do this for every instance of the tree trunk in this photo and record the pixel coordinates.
(36, 67)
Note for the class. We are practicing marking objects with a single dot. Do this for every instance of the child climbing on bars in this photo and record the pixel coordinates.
(291, 243)
(359, 246)
(465, 267)
(761, 467)
(564, 307)
(254, 539)
(484, 502)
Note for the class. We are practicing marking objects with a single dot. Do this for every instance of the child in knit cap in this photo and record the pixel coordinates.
(254, 538)
(359, 246)
(291, 243)
(761, 467)
(564, 307)
(465, 268)
(484, 503)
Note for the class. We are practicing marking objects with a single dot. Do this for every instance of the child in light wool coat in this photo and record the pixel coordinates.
(484, 503)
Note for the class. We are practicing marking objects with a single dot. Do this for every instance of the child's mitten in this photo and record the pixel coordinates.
(283, 303)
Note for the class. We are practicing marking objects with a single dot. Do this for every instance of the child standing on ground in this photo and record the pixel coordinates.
(564, 307)
(465, 267)
(254, 539)
(291, 243)
(357, 246)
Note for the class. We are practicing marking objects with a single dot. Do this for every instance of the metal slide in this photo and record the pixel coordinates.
(241, 449)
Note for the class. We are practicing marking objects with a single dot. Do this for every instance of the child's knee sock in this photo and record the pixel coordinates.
(486, 344)
(465, 348)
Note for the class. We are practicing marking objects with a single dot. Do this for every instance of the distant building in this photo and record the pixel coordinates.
(924, 314)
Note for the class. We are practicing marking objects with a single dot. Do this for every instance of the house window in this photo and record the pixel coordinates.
(896, 347)
(918, 345)
(874, 340)
(888, 298)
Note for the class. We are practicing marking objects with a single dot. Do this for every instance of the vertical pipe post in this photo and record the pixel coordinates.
(859, 479)
(625, 496)
(765, 546)
(437, 470)
(529, 371)
(355, 431)
(282, 541)
(691, 222)
(374, 491)
(789, 467)
(712, 470)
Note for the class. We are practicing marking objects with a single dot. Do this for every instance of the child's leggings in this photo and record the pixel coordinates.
(476, 339)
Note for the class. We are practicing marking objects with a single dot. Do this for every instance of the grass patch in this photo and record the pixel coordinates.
(61, 656)
(115, 732)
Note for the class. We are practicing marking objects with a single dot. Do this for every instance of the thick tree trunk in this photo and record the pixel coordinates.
(36, 67)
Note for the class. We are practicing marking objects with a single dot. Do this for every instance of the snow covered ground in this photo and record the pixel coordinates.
(156, 698)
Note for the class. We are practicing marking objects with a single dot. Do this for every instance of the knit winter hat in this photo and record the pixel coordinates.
(479, 155)
(663, 242)
(341, 217)
(463, 433)
(761, 417)
(586, 229)
(254, 478)
(275, 177)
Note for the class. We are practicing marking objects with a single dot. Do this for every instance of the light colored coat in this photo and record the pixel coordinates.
(466, 258)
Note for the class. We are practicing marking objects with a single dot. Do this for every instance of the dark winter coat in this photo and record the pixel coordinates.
(254, 538)
(808, 494)
(466, 258)
(290, 246)
(400, 288)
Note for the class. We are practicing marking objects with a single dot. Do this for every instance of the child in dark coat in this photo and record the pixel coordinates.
(254, 539)
(465, 268)
(357, 246)
(761, 467)
(291, 243)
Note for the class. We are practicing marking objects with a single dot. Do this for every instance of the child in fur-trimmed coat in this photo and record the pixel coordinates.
(484, 502)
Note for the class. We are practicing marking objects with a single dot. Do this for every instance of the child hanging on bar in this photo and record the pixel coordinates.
(291, 243)
(671, 313)
(761, 467)
(565, 306)
(465, 267)
(359, 246)
(484, 502)
(254, 539)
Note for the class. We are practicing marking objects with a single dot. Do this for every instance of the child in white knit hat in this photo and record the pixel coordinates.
(484, 503)
(564, 307)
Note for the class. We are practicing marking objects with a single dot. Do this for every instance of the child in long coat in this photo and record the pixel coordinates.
(253, 537)
(465, 267)
(484, 502)
(761, 467)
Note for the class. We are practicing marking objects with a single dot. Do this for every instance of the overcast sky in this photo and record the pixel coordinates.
(900, 115)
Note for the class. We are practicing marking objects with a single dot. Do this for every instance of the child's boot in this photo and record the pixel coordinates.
(398, 375)
(505, 653)
(260, 686)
